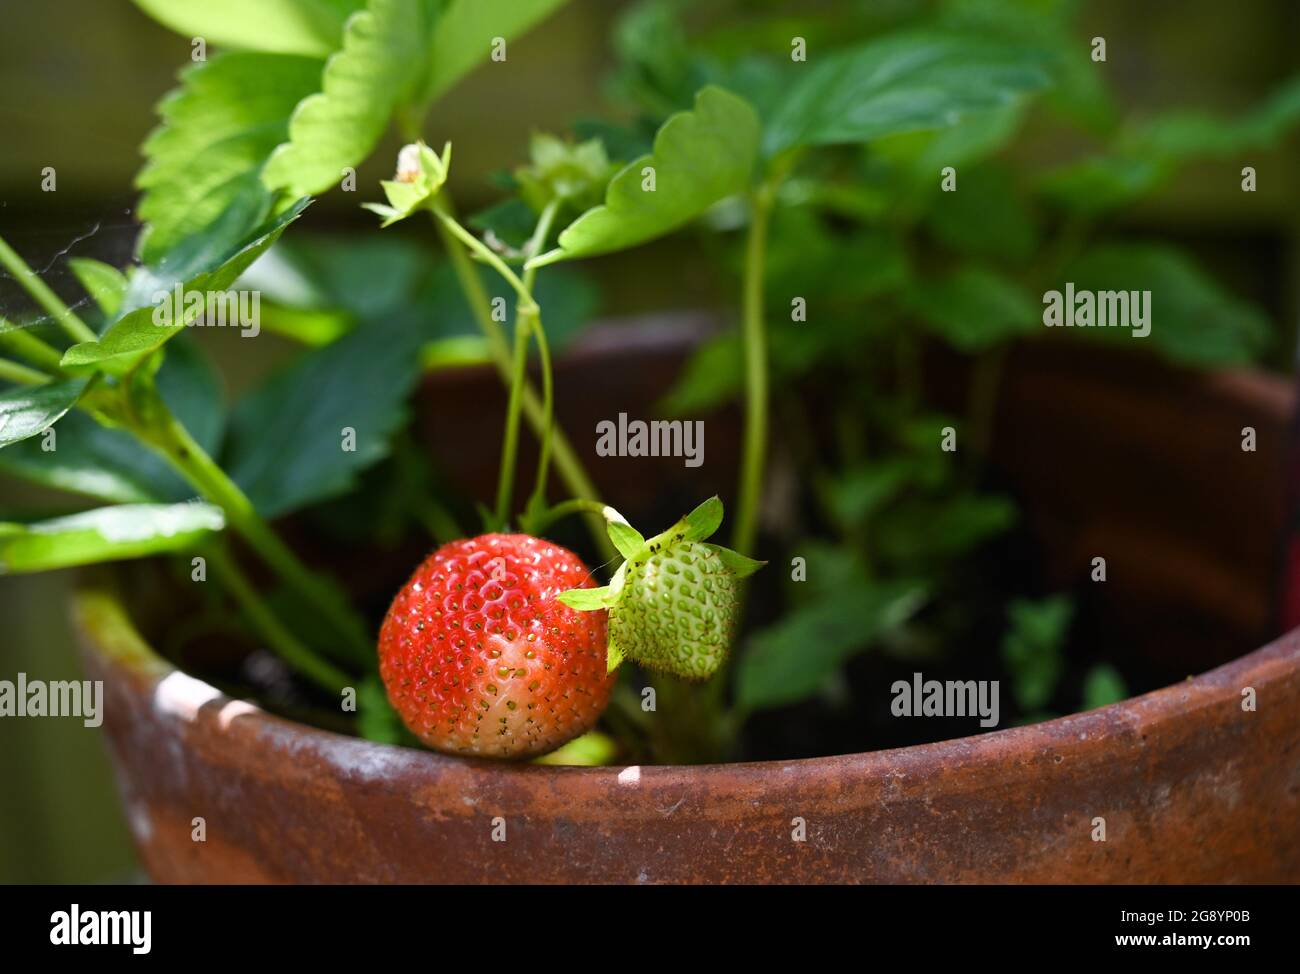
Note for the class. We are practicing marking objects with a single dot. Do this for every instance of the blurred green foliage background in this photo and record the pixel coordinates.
(79, 80)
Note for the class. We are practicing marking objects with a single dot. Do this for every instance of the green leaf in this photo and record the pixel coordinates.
(1146, 156)
(31, 410)
(217, 131)
(112, 465)
(1100, 183)
(283, 26)
(463, 35)
(736, 563)
(1103, 686)
(1193, 321)
(859, 493)
(104, 283)
(367, 276)
(704, 520)
(591, 750)
(106, 534)
(286, 447)
(794, 658)
(375, 72)
(924, 530)
(1033, 648)
(974, 308)
(626, 539)
(376, 719)
(567, 295)
(901, 83)
(699, 158)
(136, 336)
(1080, 92)
(587, 599)
(974, 138)
(986, 217)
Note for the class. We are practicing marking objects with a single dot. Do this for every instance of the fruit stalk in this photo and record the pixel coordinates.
(543, 231)
(755, 349)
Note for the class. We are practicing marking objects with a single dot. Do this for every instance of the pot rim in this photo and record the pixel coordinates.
(110, 635)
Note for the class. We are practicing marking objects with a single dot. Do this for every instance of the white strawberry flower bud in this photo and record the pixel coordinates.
(409, 168)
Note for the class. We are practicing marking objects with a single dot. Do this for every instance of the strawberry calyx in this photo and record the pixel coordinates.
(674, 600)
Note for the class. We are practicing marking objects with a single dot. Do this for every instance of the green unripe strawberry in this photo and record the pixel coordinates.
(677, 610)
(673, 603)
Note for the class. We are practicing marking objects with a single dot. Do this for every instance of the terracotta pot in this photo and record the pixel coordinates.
(1139, 467)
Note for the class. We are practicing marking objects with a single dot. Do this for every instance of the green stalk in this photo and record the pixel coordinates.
(167, 436)
(510, 442)
(535, 246)
(30, 347)
(755, 347)
(564, 509)
(280, 639)
(21, 374)
(566, 460)
(77, 329)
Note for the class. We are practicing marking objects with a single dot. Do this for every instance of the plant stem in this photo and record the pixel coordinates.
(21, 374)
(279, 638)
(77, 329)
(566, 461)
(755, 349)
(510, 442)
(535, 246)
(166, 435)
(477, 246)
(30, 347)
(564, 509)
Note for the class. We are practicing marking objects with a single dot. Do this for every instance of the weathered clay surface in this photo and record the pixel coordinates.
(1192, 789)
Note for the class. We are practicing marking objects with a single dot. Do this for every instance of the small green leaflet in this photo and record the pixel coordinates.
(1033, 648)
(30, 410)
(704, 520)
(135, 336)
(465, 32)
(700, 157)
(103, 282)
(283, 26)
(793, 658)
(112, 465)
(217, 130)
(974, 308)
(626, 539)
(586, 599)
(375, 73)
(1102, 686)
(1193, 320)
(591, 750)
(105, 534)
(901, 83)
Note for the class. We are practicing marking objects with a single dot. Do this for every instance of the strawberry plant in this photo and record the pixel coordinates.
(815, 184)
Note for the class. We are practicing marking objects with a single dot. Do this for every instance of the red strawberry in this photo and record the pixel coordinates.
(479, 658)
